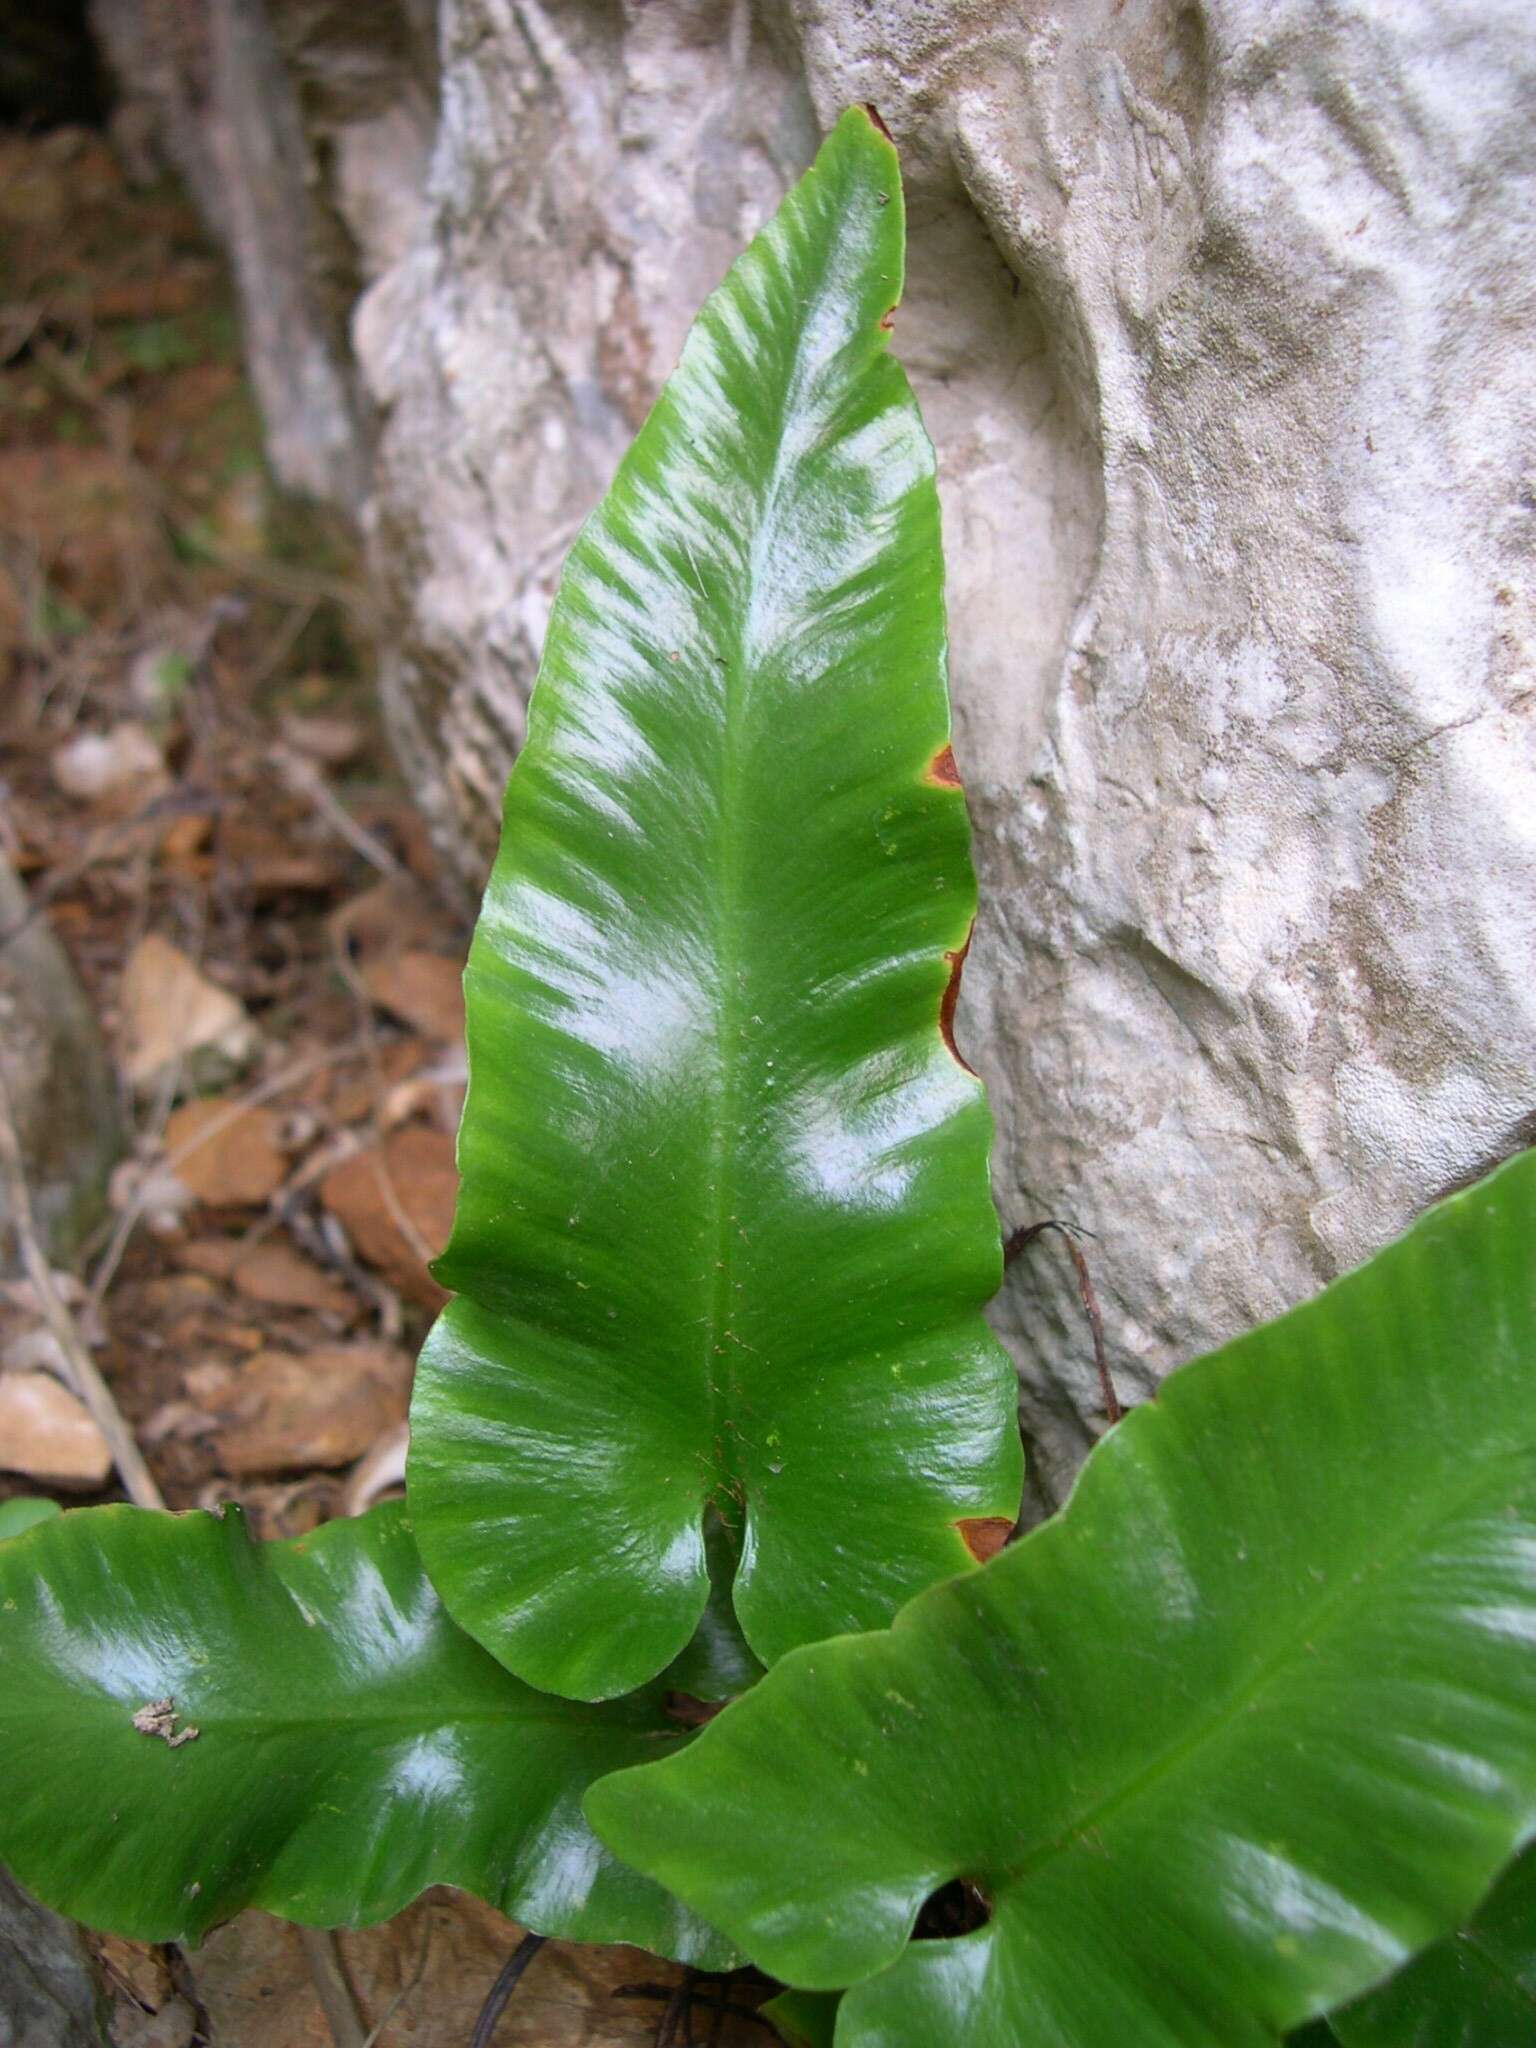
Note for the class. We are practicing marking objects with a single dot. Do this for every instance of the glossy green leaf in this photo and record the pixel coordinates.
(1251, 1721)
(24, 1512)
(803, 2019)
(724, 1232)
(1476, 1990)
(352, 1745)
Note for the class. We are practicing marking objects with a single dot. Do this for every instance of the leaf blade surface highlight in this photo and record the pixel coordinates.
(725, 1231)
(352, 1745)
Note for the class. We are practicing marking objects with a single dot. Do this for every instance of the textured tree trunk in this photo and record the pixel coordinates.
(1220, 315)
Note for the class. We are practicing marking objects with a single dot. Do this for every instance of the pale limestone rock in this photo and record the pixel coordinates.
(1220, 317)
(302, 130)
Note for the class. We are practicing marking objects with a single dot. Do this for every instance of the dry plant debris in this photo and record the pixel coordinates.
(197, 796)
(395, 1201)
(172, 1017)
(47, 1432)
(282, 1411)
(226, 1156)
(158, 1719)
(428, 1971)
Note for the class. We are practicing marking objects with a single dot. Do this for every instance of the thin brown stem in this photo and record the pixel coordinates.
(376, 2032)
(679, 2010)
(1017, 1243)
(511, 1974)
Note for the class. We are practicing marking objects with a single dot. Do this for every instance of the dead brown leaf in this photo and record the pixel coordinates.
(137, 1968)
(424, 990)
(47, 1434)
(411, 1175)
(388, 915)
(357, 1095)
(430, 1969)
(211, 1386)
(215, 1257)
(275, 1273)
(270, 863)
(280, 1413)
(984, 1535)
(225, 1159)
(174, 2025)
(171, 1012)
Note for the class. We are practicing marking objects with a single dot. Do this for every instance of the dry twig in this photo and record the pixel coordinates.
(1017, 1242)
(338, 2001)
(306, 781)
(506, 1983)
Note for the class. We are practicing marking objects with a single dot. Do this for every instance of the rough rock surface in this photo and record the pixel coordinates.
(57, 1078)
(1220, 317)
(302, 129)
(49, 1997)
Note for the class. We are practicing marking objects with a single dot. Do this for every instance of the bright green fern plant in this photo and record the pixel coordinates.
(715, 1416)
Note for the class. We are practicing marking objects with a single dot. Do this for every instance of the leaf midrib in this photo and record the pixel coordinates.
(1322, 1618)
(204, 1720)
(720, 1363)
